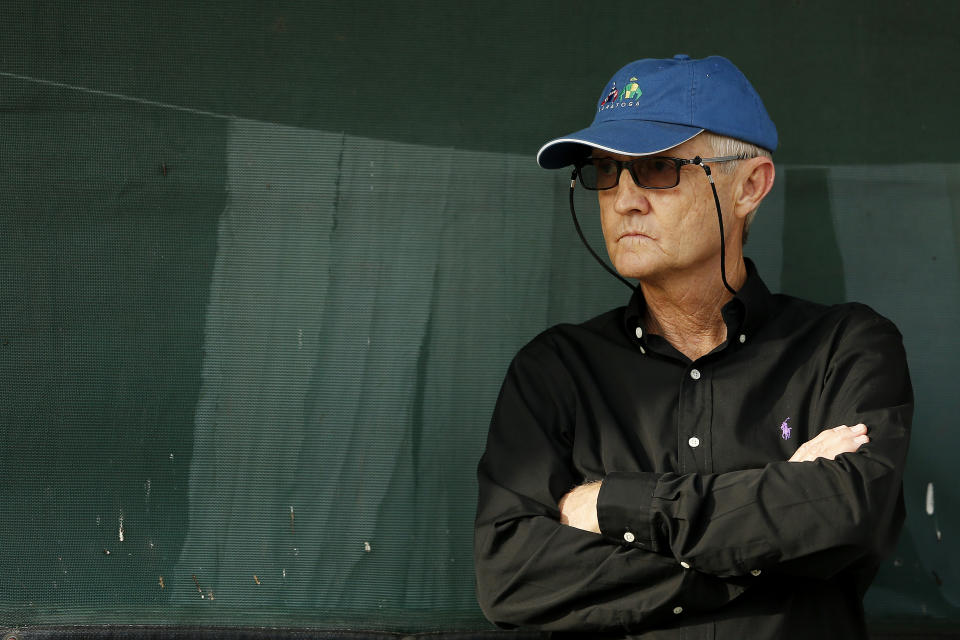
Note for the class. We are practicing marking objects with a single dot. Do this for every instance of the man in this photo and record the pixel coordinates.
(711, 460)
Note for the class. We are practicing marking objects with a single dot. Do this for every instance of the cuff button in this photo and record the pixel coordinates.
(629, 537)
(755, 573)
(685, 565)
(678, 610)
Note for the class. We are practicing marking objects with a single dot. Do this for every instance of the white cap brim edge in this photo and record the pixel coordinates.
(609, 149)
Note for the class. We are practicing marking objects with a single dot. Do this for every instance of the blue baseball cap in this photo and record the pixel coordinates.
(651, 105)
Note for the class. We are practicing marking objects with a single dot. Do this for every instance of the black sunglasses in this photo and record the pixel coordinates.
(648, 172)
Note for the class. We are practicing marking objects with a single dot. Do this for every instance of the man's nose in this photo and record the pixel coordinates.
(630, 197)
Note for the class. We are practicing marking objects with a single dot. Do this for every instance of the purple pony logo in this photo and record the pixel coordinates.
(785, 429)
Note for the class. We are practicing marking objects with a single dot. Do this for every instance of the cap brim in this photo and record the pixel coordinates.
(626, 137)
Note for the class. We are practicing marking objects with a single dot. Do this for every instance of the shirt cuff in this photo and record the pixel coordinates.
(624, 508)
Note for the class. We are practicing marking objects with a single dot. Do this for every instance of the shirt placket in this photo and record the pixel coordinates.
(694, 415)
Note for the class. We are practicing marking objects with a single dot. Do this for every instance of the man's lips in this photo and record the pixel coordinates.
(633, 234)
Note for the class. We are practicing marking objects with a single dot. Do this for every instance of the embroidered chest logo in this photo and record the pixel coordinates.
(627, 97)
(785, 429)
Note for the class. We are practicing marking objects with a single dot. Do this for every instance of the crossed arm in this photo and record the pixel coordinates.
(578, 507)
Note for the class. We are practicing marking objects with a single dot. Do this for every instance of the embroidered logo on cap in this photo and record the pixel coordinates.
(612, 96)
(625, 98)
(785, 429)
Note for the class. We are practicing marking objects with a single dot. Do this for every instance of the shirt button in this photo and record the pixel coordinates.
(695, 374)
(685, 565)
(678, 610)
(629, 537)
(694, 442)
(639, 332)
(755, 573)
(743, 338)
(643, 351)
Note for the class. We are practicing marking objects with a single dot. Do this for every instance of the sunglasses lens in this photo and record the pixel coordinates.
(656, 173)
(599, 173)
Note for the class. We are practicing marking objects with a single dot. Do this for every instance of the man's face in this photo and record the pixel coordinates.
(653, 234)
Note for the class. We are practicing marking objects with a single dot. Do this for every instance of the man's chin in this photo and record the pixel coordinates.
(634, 269)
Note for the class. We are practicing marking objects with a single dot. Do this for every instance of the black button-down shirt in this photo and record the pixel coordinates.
(707, 530)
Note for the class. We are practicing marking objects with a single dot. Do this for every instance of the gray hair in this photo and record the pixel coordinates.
(726, 146)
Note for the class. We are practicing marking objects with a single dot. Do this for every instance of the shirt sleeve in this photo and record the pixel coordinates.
(810, 518)
(531, 570)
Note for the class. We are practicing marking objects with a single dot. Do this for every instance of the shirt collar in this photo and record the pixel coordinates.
(745, 313)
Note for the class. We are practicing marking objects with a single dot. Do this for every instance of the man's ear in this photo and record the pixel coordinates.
(755, 179)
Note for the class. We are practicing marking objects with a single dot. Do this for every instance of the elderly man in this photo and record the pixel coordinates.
(711, 460)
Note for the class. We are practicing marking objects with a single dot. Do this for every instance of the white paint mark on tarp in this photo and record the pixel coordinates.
(146, 490)
(120, 526)
(930, 505)
(367, 547)
(299, 338)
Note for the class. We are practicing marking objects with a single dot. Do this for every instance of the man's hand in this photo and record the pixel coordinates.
(831, 442)
(578, 508)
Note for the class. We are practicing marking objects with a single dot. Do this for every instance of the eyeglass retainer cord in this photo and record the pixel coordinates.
(716, 199)
(576, 224)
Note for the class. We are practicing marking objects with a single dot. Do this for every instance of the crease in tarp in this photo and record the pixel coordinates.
(375, 436)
